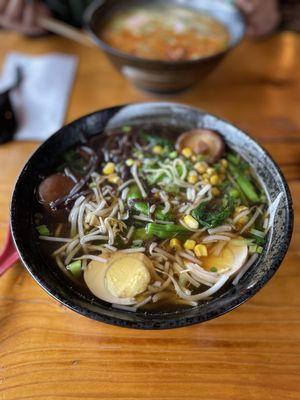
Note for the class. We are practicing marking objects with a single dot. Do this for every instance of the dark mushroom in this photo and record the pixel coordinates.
(202, 141)
(54, 187)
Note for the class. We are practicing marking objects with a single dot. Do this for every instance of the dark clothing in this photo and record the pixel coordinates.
(290, 14)
(70, 11)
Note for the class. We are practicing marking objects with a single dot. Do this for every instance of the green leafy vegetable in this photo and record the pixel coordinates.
(244, 183)
(214, 212)
(164, 231)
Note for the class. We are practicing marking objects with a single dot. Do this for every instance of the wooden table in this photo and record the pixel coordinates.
(49, 352)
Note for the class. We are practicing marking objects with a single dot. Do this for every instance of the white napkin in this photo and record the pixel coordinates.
(41, 101)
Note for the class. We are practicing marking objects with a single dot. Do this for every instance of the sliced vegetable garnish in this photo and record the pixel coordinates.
(43, 230)
(75, 268)
(164, 231)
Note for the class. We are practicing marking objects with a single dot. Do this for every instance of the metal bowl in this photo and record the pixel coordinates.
(165, 76)
(168, 115)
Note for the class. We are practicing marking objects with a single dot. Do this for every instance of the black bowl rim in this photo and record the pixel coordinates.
(92, 8)
(148, 325)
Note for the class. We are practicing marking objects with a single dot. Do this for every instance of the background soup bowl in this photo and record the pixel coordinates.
(165, 76)
(58, 285)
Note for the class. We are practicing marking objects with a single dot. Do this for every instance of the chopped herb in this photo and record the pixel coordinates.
(43, 230)
(75, 268)
(234, 193)
(126, 129)
(259, 249)
(173, 154)
(252, 248)
(255, 249)
(214, 269)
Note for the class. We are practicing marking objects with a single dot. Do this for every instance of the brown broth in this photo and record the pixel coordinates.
(165, 34)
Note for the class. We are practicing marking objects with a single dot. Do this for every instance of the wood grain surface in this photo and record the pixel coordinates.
(48, 352)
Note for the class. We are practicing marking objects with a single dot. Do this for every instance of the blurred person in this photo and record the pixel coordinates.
(262, 16)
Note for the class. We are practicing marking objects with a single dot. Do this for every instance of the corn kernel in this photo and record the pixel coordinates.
(210, 171)
(109, 168)
(201, 167)
(192, 179)
(189, 244)
(214, 180)
(194, 158)
(201, 250)
(113, 179)
(191, 222)
(224, 163)
(205, 181)
(243, 220)
(157, 150)
(175, 244)
(205, 176)
(186, 152)
(240, 209)
(129, 162)
(215, 192)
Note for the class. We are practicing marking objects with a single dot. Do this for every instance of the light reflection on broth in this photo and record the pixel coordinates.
(169, 34)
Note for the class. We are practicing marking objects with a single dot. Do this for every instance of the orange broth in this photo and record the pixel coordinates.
(169, 34)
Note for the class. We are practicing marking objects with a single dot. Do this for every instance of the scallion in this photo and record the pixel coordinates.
(164, 231)
(75, 268)
(43, 230)
(126, 129)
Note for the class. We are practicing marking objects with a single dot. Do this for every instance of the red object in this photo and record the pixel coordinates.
(9, 254)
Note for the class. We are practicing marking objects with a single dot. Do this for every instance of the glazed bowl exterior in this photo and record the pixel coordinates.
(171, 115)
(164, 76)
